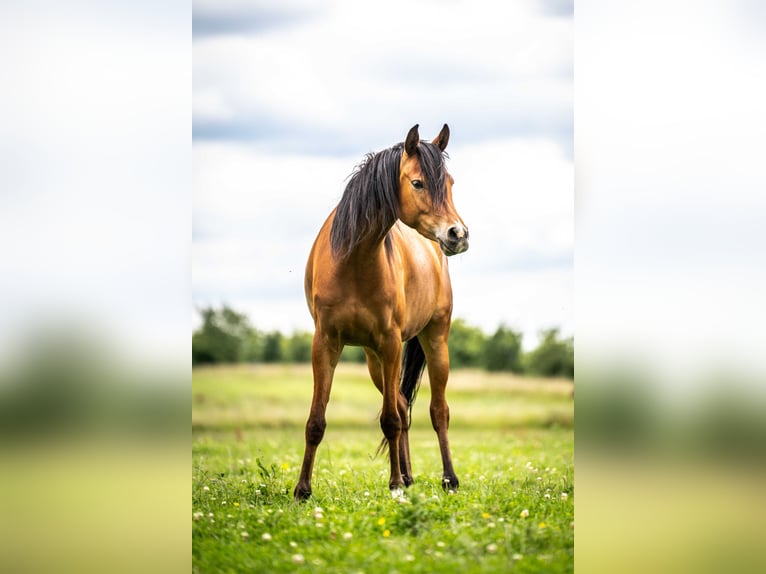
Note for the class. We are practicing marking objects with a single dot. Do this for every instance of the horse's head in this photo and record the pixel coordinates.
(425, 193)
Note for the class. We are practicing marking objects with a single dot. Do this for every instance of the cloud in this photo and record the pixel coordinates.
(558, 8)
(351, 69)
(216, 18)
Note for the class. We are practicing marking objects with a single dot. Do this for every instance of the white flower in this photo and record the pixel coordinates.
(440, 544)
(517, 557)
(244, 535)
(524, 513)
(266, 536)
(298, 558)
(409, 558)
(491, 548)
(547, 495)
(347, 536)
(197, 516)
(564, 496)
(205, 488)
(293, 544)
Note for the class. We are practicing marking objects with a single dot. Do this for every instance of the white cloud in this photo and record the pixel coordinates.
(353, 68)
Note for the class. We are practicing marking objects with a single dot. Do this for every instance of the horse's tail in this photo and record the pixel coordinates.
(413, 363)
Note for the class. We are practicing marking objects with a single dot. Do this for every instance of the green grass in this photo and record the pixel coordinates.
(512, 446)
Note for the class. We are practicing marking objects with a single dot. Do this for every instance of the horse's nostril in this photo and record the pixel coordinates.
(457, 232)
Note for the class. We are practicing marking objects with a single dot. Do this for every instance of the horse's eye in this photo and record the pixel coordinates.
(417, 184)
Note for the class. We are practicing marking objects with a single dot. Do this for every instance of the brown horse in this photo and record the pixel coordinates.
(377, 275)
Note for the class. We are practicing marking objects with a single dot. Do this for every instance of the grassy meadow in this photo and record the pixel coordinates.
(512, 445)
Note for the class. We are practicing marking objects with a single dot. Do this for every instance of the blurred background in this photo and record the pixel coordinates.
(669, 213)
(95, 227)
(100, 230)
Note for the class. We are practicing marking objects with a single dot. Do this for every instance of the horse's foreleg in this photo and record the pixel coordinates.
(437, 361)
(391, 422)
(324, 357)
(376, 374)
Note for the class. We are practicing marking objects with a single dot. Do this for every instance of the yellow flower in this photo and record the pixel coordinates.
(485, 514)
(541, 525)
(236, 504)
(381, 521)
(386, 533)
(285, 466)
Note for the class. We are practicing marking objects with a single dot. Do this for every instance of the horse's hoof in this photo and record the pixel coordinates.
(301, 494)
(397, 493)
(407, 481)
(450, 483)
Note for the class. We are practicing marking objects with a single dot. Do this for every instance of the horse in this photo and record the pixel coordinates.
(377, 276)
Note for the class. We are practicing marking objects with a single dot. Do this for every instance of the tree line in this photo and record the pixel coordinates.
(227, 336)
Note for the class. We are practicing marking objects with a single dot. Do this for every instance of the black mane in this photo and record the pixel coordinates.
(370, 202)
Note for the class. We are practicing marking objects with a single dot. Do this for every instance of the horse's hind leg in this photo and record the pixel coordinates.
(434, 343)
(390, 421)
(325, 352)
(376, 374)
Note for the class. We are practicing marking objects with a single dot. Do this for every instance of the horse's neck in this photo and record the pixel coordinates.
(371, 259)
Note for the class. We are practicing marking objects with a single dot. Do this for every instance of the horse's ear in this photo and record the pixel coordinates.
(442, 139)
(411, 143)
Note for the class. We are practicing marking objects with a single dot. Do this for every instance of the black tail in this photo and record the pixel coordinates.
(413, 363)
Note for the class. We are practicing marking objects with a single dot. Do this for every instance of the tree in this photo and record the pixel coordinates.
(553, 356)
(272, 347)
(220, 338)
(502, 351)
(299, 347)
(466, 345)
(252, 347)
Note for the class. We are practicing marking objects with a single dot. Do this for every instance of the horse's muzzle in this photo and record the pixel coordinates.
(456, 240)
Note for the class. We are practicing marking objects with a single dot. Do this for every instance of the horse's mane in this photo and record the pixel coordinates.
(370, 203)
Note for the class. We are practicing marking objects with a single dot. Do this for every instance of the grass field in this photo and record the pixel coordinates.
(512, 445)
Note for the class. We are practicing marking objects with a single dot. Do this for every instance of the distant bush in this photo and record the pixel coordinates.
(220, 338)
(299, 347)
(502, 351)
(553, 357)
(466, 345)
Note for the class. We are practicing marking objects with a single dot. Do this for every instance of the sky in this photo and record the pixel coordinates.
(288, 98)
